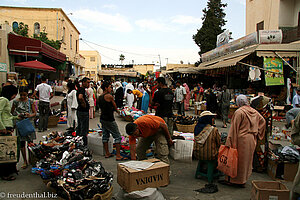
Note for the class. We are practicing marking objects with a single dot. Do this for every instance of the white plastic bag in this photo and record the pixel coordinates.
(182, 150)
(146, 194)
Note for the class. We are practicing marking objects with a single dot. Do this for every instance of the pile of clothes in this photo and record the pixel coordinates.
(287, 153)
(67, 166)
(132, 112)
(186, 120)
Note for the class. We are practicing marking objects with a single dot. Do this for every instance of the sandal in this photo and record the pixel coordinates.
(8, 178)
(111, 155)
(24, 166)
(121, 159)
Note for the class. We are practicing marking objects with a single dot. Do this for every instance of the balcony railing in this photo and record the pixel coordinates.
(291, 34)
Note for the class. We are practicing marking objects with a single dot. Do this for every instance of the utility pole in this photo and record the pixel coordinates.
(159, 61)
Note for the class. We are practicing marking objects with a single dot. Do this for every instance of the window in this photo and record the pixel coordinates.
(36, 28)
(260, 26)
(64, 34)
(70, 41)
(76, 46)
(15, 25)
(92, 59)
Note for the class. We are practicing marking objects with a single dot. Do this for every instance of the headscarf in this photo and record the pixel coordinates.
(202, 123)
(8, 91)
(242, 100)
(186, 88)
(118, 84)
(141, 88)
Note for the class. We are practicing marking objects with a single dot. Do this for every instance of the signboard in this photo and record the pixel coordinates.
(3, 67)
(223, 38)
(270, 36)
(230, 47)
(273, 65)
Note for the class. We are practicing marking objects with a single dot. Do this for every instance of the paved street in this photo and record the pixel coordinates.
(182, 181)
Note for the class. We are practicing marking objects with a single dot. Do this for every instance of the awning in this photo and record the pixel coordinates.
(226, 63)
(184, 70)
(35, 65)
(284, 50)
(117, 73)
(19, 45)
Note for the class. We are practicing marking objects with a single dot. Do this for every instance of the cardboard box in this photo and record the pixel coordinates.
(182, 150)
(269, 190)
(8, 149)
(133, 180)
(288, 170)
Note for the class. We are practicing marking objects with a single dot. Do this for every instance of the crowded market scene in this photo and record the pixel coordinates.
(77, 124)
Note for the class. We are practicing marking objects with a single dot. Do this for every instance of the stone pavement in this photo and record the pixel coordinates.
(182, 181)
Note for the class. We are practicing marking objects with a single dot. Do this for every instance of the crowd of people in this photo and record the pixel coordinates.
(85, 98)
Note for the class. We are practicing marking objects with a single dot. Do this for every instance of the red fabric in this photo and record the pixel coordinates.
(35, 65)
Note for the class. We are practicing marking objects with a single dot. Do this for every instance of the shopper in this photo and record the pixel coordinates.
(119, 94)
(8, 93)
(247, 126)
(72, 105)
(188, 97)
(90, 93)
(107, 119)
(224, 102)
(180, 95)
(45, 94)
(83, 110)
(65, 87)
(296, 99)
(163, 99)
(25, 107)
(130, 98)
(138, 96)
(149, 128)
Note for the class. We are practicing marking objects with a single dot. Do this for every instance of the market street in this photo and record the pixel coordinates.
(182, 181)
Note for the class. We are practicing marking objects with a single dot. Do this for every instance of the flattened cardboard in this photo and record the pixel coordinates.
(269, 190)
(133, 180)
(8, 149)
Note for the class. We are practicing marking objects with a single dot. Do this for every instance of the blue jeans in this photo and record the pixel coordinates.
(110, 128)
(83, 125)
(44, 109)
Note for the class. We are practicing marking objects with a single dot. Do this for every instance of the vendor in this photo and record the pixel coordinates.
(149, 128)
(295, 134)
(207, 137)
(296, 99)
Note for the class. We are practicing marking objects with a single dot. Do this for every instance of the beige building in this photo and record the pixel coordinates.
(4, 58)
(53, 21)
(176, 66)
(92, 63)
(273, 15)
(143, 69)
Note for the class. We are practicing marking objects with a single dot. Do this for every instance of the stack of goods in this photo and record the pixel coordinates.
(278, 134)
(184, 136)
(130, 114)
(67, 166)
(63, 118)
(288, 153)
(186, 124)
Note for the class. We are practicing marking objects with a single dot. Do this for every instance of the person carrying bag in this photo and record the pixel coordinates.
(25, 130)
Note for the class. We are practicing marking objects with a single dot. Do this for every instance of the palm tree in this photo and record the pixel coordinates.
(122, 58)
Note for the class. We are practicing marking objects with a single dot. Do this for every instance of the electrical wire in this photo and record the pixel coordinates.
(145, 55)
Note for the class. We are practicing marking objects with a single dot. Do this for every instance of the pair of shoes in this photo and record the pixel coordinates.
(111, 155)
(24, 166)
(8, 178)
(209, 188)
(46, 129)
(224, 126)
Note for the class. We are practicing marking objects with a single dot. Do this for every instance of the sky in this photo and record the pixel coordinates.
(145, 32)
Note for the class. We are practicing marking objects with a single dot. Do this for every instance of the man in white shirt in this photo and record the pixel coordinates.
(45, 94)
(180, 94)
(296, 99)
(64, 85)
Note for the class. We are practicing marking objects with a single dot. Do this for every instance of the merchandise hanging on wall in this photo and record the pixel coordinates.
(273, 65)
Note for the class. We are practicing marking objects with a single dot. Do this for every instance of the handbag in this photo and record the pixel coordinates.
(228, 161)
(25, 126)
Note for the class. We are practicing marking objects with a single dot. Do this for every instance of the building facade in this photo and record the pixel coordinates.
(53, 21)
(274, 15)
(92, 63)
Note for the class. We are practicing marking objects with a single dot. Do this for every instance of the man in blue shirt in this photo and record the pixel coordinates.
(296, 99)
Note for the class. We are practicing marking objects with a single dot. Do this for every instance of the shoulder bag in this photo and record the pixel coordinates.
(25, 126)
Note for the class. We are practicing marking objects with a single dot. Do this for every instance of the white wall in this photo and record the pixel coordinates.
(286, 13)
(296, 12)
